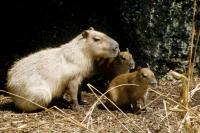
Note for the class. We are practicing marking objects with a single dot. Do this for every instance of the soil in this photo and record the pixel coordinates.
(158, 117)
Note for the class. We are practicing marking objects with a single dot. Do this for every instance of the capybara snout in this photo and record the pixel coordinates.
(127, 59)
(114, 48)
(148, 77)
(131, 64)
(102, 45)
(153, 83)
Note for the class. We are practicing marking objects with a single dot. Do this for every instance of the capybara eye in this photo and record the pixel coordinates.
(96, 39)
(144, 76)
(123, 58)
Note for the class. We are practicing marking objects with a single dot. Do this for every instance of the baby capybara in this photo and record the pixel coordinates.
(136, 91)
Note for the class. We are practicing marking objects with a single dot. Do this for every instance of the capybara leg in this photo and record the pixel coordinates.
(142, 103)
(38, 96)
(26, 106)
(134, 106)
(145, 98)
(73, 89)
(80, 100)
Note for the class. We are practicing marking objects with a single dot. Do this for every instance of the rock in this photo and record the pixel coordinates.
(160, 32)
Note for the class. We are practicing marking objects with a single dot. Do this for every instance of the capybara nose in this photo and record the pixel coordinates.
(115, 48)
(153, 83)
(132, 65)
(115, 45)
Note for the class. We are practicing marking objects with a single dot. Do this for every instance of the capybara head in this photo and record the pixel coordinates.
(100, 44)
(145, 76)
(127, 59)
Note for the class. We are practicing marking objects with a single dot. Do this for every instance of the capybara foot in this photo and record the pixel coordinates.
(83, 102)
(75, 107)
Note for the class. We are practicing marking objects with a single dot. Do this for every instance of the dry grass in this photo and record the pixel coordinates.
(160, 115)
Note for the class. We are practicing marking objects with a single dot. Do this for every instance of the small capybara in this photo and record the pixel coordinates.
(105, 69)
(112, 67)
(45, 75)
(126, 95)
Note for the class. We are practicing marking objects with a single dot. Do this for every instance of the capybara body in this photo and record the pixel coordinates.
(126, 95)
(105, 69)
(111, 67)
(45, 75)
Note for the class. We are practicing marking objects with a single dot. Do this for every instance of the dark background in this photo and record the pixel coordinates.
(36, 24)
(147, 28)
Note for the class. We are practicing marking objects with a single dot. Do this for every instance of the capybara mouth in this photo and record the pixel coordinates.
(131, 66)
(153, 84)
(131, 69)
(115, 51)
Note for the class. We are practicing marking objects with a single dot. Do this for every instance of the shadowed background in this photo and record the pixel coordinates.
(156, 32)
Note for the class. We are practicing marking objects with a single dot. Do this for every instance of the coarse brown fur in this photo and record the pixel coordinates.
(45, 75)
(112, 67)
(107, 69)
(130, 94)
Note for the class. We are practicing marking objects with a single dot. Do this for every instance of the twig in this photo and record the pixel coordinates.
(108, 109)
(46, 109)
(165, 107)
(167, 98)
(174, 102)
(183, 121)
(197, 88)
(24, 99)
(103, 95)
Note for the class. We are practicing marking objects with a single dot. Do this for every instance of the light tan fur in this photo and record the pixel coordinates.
(45, 75)
(126, 95)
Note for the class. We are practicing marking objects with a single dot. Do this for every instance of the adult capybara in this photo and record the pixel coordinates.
(45, 75)
(126, 95)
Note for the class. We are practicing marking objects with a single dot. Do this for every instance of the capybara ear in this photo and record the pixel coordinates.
(85, 34)
(127, 49)
(139, 67)
(91, 28)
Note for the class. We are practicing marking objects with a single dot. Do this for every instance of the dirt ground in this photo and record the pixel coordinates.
(157, 119)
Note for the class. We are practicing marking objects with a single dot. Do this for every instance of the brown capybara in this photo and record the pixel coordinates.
(45, 75)
(112, 67)
(126, 95)
(105, 69)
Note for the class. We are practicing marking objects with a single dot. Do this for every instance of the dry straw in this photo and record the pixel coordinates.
(67, 117)
(92, 88)
(185, 94)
